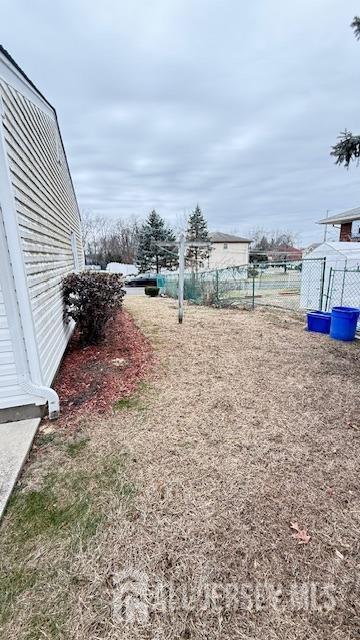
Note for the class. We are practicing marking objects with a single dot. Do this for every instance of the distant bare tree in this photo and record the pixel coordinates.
(125, 236)
(109, 240)
(86, 221)
(94, 231)
(263, 240)
(278, 243)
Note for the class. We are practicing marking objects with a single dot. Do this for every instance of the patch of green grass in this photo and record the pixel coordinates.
(12, 584)
(44, 439)
(64, 514)
(124, 403)
(42, 625)
(68, 500)
(42, 512)
(113, 465)
(129, 403)
(74, 448)
(113, 477)
(126, 490)
(19, 580)
(133, 402)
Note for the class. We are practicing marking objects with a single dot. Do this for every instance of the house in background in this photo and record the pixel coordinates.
(285, 253)
(348, 224)
(40, 242)
(228, 250)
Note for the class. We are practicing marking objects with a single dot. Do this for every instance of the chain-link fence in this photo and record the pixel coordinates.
(343, 288)
(268, 284)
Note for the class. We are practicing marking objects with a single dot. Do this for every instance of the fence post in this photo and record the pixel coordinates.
(343, 286)
(253, 289)
(328, 289)
(217, 285)
(322, 282)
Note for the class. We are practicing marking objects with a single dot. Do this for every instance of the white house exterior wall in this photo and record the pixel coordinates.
(236, 254)
(47, 216)
(37, 193)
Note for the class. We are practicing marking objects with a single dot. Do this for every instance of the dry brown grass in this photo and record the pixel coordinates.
(251, 423)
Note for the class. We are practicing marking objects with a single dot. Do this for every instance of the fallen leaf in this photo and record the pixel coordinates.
(301, 535)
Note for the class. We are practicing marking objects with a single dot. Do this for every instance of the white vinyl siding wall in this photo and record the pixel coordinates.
(11, 394)
(8, 375)
(47, 217)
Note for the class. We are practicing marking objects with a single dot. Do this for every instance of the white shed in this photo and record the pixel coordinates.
(331, 276)
(40, 242)
(123, 268)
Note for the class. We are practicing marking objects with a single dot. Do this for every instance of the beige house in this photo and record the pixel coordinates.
(228, 250)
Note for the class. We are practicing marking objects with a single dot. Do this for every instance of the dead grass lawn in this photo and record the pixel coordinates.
(249, 424)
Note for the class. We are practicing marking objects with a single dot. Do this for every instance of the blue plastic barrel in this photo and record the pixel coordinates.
(343, 323)
(319, 321)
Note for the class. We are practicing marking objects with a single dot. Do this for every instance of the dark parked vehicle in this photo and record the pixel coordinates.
(142, 280)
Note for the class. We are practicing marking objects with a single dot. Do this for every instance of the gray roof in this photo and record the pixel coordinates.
(218, 236)
(7, 55)
(339, 218)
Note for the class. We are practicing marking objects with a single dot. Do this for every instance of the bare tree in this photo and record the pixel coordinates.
(263, 240)
(125, 236)
(109, 240)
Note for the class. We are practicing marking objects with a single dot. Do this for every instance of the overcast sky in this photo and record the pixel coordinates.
(166, 103)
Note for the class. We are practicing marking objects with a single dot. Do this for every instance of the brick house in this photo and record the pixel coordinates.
(348, 224)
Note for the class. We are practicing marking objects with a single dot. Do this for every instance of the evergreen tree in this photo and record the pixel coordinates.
(151, 256)
(348, 147)
(197, 231)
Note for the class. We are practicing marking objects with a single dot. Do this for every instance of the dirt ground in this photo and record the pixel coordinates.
(170, 519)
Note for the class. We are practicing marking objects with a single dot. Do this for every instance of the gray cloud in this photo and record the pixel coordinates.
(166, 104)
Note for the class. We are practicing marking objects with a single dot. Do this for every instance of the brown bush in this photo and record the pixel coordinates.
(91, 299)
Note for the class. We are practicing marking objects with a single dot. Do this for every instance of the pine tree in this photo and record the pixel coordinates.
(150, 255)
(197, 231)
(348, 147)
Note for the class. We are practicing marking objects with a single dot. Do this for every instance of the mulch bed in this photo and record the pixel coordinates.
(92, 378)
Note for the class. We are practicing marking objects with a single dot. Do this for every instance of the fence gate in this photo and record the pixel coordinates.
(344, 288)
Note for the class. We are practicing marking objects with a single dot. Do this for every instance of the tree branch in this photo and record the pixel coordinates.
(347, 149)
(356, 26)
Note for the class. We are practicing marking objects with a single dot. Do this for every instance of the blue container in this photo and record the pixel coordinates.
(319, 321)
(343, 323)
